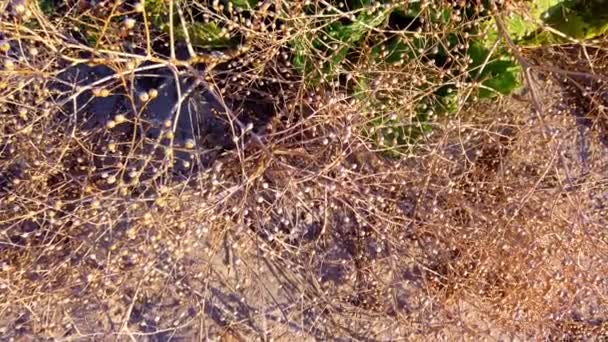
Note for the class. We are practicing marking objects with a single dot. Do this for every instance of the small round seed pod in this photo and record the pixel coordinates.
(4, 46)
(144, 97)
(120, 118)
(9, 64)
(129, 23)
(153, 93)
(189, 144)
(139, 7)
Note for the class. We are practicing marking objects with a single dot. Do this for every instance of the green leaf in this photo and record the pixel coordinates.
(353, 32)
(47, 6)
(395, 49)
(519, 26)
(205, 35)
(499, 75)
(448, 103)
(346, 35)
(247, 4)
(158, 13)
(577, 19)
(335, 61)
(580, 19)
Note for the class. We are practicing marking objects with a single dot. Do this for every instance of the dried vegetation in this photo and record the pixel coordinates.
(160, 183)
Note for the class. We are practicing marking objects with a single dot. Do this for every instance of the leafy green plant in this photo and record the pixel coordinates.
(334, 42)
(519, 25)
(201, 34)
(355, 44)
(380, 40)
(497, 73)
(568, 19)
(578, 19)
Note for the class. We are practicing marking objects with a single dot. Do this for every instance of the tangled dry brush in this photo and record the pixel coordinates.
(151, 190)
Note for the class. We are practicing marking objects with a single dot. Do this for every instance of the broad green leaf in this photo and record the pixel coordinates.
(580, 19)
(519, 26)
(577, 19)
(502, 77)
(499, 74)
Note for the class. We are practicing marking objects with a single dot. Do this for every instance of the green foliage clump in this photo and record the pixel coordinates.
(567, 19)
(578, 19)
(202, 34)
(497, 74)
(411, 59)
(433, 57)
(365, 41)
